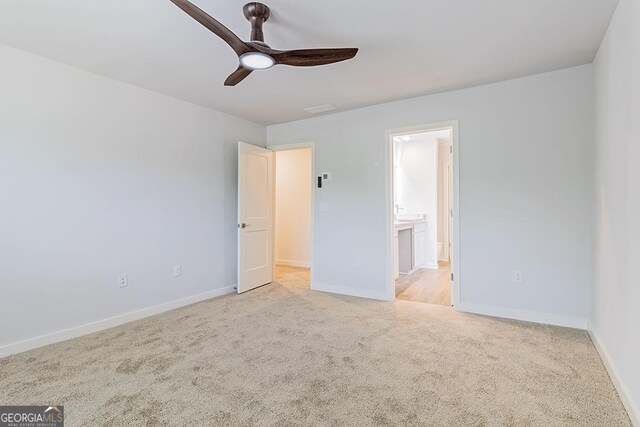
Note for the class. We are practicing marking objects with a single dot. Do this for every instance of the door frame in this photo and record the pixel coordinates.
(447, 193)
(312, 180)
(455, 253)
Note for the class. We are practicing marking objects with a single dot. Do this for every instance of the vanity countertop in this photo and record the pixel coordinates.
(404, 224)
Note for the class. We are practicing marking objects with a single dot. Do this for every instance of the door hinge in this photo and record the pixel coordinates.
(451, 149)
(452, 277)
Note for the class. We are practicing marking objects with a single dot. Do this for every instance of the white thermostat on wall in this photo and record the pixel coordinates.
(326, 176)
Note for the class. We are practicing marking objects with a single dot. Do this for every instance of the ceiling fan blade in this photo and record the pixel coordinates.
(237, 76)
(212, 24)
(311, 57)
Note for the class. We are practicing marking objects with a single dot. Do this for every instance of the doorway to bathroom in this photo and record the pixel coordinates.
(423, 214)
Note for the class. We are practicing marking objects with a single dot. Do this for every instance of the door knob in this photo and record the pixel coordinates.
(243, 225)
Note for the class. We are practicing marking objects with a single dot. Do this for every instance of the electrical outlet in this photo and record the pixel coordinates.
(177, 270)
(123, 281)
(517, 276)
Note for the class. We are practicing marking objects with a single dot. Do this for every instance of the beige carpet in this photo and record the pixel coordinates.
(283, 355)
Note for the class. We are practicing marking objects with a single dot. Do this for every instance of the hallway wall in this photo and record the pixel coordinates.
(293, 207)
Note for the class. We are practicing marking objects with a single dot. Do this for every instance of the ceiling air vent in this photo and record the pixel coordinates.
(320, 109)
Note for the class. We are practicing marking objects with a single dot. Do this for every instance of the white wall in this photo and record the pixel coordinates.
(417, 176)
(99, 178)
(525, 200)
(416, 188)
(293, 207)
(616, 292)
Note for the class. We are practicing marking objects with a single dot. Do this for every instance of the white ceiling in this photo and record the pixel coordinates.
(407, 47)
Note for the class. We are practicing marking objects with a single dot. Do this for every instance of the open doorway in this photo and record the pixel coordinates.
(293, 216)
(422, 219)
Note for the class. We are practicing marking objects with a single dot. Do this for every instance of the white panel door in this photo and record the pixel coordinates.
(255, 217)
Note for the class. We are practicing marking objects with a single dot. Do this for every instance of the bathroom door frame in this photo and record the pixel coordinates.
(455, 208)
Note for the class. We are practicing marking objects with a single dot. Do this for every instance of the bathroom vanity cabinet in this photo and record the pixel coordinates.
(409, 246)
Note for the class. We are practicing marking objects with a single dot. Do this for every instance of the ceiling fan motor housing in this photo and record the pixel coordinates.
(257, 14)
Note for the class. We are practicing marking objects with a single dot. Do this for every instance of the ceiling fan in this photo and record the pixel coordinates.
(256, 54)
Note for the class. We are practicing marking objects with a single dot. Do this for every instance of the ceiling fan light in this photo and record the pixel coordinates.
(256, 61)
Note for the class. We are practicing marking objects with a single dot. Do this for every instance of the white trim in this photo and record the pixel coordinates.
(422, 267)
(447, 193)
(110, 322)
(354, 292)
(455, 256)
(295, 146)
(625, 395)
(525, 315)
(293, 263)
(430, 266)
(441, 251)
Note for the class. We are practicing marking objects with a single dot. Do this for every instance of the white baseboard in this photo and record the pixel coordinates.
(633, 410)
(425, 267)
(354, 292)
(293, 263)
(527, 316)
(89, 328)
